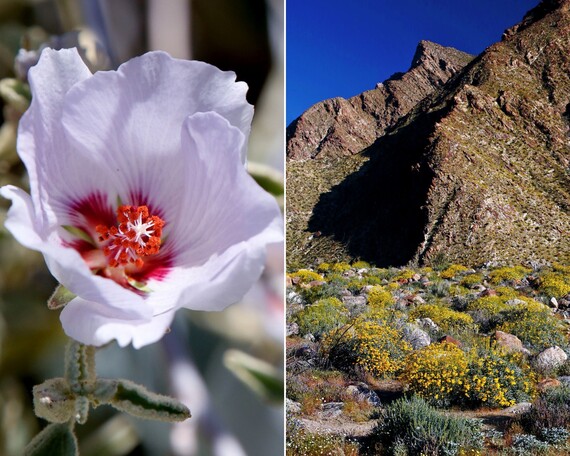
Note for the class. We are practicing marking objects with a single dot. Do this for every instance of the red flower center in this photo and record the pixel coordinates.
(137, 235)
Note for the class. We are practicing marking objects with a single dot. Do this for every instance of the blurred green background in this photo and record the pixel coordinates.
(229, 417)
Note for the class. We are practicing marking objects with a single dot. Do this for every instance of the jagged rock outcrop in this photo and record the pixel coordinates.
(340, 126)
(477, 171)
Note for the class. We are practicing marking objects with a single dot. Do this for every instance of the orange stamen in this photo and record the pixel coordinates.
(137, 235)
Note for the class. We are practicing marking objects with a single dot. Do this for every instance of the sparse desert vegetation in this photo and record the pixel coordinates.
(447, 360)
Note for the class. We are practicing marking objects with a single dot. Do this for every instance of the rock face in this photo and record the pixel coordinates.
(550, 359)
(477, 171)
(339, 126)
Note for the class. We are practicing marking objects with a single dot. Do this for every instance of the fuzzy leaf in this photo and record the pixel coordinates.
(138, 401)
(260, 376)
(267, 178)
(54, 401)
(60, 297)
(80, 366)
(55, 439)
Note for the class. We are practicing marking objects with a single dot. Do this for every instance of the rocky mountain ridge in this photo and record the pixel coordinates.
(338, 126)
(475, 171)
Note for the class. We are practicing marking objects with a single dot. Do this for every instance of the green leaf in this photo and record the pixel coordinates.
(268, 178)
(55, 439)
(54, 401)
(138, 401)
(79, 233)
(260, 376)
(60, 297)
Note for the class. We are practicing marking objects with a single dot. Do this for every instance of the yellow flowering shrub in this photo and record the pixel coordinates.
(554, 284)
(340, 267)
(446, 318)
(496, 378)
(306, 276)
(508, 273)
(404, 274)
(508, 293)
(392, 286)
(563, 269)
(324, 267)
(471, 280)
(379, 347)
(489, 305)
(379, 298)
(436, 373)
(361, 265)
(452, 271)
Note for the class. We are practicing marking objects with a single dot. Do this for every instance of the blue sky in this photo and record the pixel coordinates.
(343, 47)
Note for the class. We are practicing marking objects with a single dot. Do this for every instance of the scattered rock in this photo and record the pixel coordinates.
(292, 406)
(292, 329)
(449, 340)
(564, 379)
(417, 299)
(478, 287)
(514, 302)
(548, 383)
(416, 337)
(332, 409)
(416, 277)
(518, 409)
(553, 303)
(344, 292)
(366, 289)
(488, 292)
(362, 391)
(351, 301)
(294, 298)
(550, 359)
(314, 283)
(288, 282)
(510, 342)
(309, 337)
(427, 323)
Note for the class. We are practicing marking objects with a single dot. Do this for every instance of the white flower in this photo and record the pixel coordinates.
(140, 201)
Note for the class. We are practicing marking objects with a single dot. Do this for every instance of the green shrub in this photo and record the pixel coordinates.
(322, 316)
(551, 409)
(533, 324)
(416, 428)
(299, 442)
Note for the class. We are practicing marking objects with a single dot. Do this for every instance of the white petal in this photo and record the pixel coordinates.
(220, 204)
(65, 263)
(57, 173)
(94, 324)
(131, 119)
